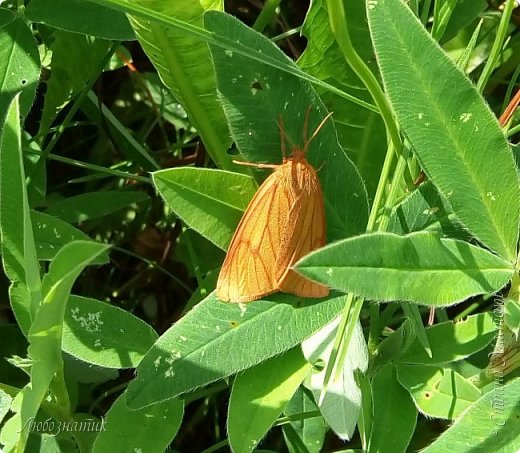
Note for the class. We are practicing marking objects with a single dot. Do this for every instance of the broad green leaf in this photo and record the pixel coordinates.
(419, 267)
(46, 330)
(254, 95)
(81, 17)
(75, 61)
(137, 430)
(437, 392)
(452, 341)
(512, 316)
(341, 405)
(394, 416)
(18, 248)
(259, 396)
(94, 205)
(361, 132)
(308, 433)
(105, 335)
(425, 209)
(19, 66)
(490, 424)
(209, 201)
(455, 135)
(184, 65)
(50, 234)
(215, 340)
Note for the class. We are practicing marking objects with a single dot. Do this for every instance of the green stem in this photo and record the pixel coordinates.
(338, 24)
(93, 167)
(497, 46)
(425, 12)
(266, 15)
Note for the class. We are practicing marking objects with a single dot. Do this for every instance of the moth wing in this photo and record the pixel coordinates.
(307, 219)
(250, 269)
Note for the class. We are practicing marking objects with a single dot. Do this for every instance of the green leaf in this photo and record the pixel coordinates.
(361, 132)
(81, 17)
(259, 396)
(452, 341)
(215, 340)
(437, 392)
(50, 234)
(209, 201)
(341, 405)
(105, 335)
(93, 205)
(425, 209)
(19, 66)
(184, 64)
(76, 58)
(455, 135)
(18, 247)
(254, 95)
(394, 416)
(120, 433)
(420, 267)
(309, 432)
(396, 344)
(46, 331)
(490, 424)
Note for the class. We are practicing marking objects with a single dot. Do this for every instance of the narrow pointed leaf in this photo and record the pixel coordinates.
(420, 267)
(455, 135)
(215, 340)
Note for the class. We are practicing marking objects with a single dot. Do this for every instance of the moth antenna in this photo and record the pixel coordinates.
(313, 136)
(283, 137)
(254, 164)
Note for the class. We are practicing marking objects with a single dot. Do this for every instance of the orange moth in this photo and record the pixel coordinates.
(284, 221)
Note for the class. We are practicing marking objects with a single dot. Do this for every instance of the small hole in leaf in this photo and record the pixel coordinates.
(233, 151)
(256, 86)
(427, 395)
(233, 324)
(23, 81)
